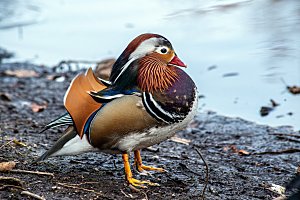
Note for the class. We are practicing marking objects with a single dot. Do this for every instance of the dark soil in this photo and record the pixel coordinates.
(224, 143)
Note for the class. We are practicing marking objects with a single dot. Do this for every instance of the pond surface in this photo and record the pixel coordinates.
(240, 53)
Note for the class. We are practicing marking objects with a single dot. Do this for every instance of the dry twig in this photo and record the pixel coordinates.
(277, 152)
(17, 183)
(151, 149)
(11, 180)
(79, 188)
(32, 195)
(32, 172)
(207, 174)
(127, 195)
(133, 188)
(283, 134)
(138, 191)
(6, 144)
(180, 140)
(11, 186)
(190, 170)
(84, 183)
(146, 196)
(287, 138)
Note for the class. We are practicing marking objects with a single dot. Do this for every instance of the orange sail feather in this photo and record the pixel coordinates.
(78, 102)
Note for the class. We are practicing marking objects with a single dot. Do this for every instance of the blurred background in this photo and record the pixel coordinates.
(241, 53)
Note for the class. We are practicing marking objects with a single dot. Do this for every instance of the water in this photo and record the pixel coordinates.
(238, 52)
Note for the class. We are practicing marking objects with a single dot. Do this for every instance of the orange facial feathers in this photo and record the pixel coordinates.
(154, 74)
(78, 102)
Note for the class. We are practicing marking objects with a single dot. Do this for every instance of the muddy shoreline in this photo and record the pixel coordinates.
(244, 158)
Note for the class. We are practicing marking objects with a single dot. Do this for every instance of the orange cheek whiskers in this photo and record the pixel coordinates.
(155, 75)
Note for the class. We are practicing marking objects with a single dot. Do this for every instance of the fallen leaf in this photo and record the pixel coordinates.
(290, 113)
(5, 97)
(225, 148)
(180, 140)
(274, 103)
(7, 166)
(38, 108)
(56, 78)
(293, 89)
(243, 152)
(234, 149)
(60, 79)
(50, 77)
(265, 110)
(21, 73)
(22, 144)
(281, 197)
(278, 189)
(104, 67)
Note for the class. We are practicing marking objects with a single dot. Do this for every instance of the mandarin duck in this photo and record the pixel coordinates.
(147, 98)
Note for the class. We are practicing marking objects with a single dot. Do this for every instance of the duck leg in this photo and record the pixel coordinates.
(140, 167)
(128, 175)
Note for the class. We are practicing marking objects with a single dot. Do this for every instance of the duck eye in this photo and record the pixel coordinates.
(163, 50)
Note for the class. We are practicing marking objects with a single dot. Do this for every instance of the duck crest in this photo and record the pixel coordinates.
(137, 41)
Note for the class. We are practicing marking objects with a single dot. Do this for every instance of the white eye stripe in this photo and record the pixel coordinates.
(144, 48)
(148, 46)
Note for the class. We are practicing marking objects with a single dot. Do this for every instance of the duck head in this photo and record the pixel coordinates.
(149, 61)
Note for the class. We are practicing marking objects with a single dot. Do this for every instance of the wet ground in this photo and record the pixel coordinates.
(244, 158)
(237, 51)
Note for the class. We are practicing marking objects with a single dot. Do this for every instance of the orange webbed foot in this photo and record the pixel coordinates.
(132, 181)
(140, 184)
(140, 167)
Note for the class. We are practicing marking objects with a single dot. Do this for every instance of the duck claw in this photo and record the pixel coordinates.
(140, 184)
(142, 168)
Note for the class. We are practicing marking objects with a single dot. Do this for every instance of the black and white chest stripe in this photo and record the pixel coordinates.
(156, 110)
